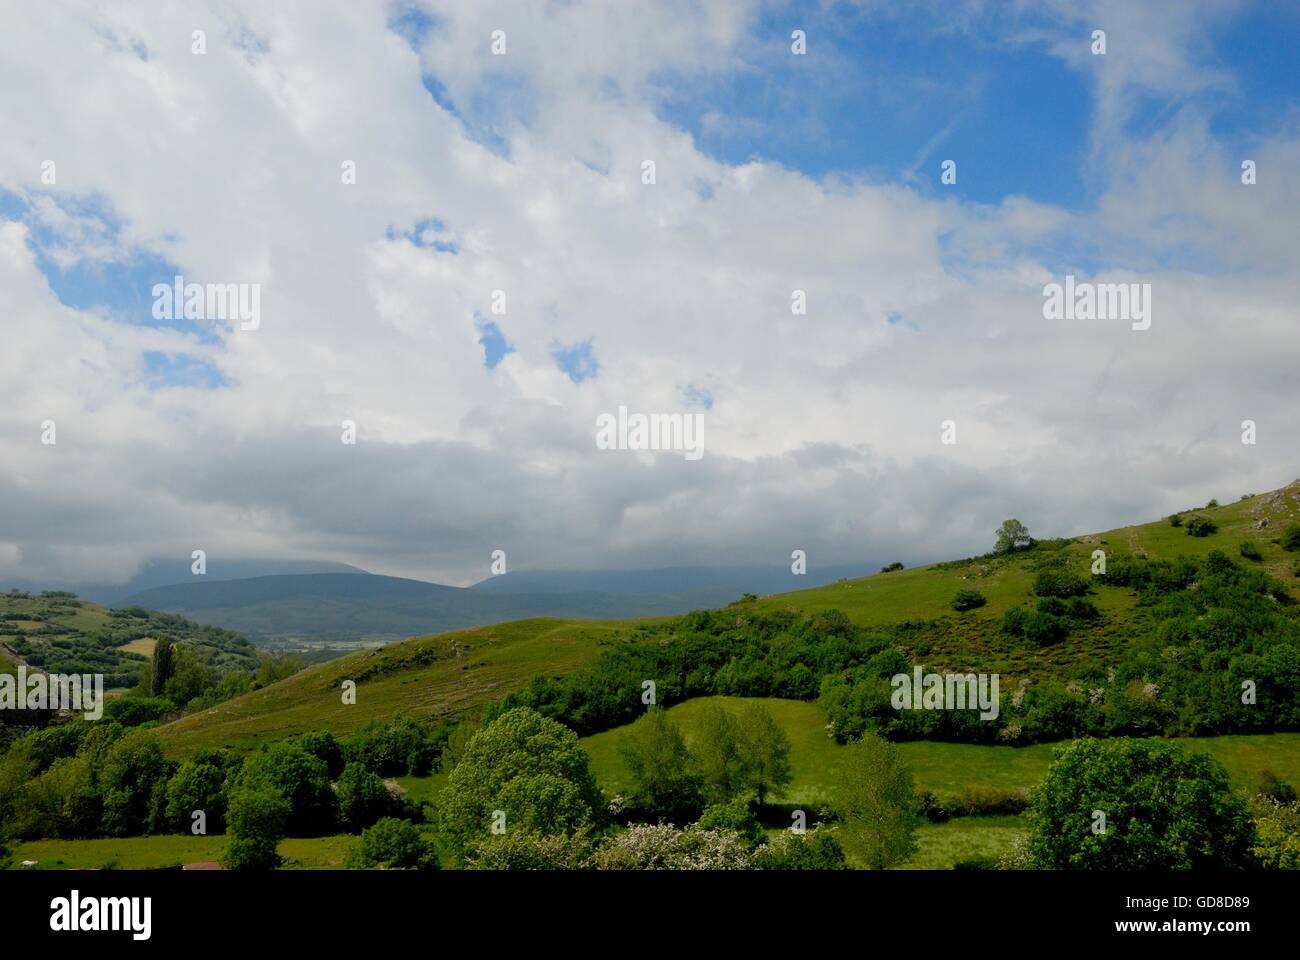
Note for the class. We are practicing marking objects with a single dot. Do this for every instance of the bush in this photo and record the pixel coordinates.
(1060, 583)
(976, 801)
(817, 849)
(734, 815)
(1201, 526)
(1013, 622)
(1250, 551)
(1277, 831)
(1212, 504)
(890, 568)
(1176, 520)
(664, 847)
(1044, 629)
(524, 850)
(1291, 538)
(392, 844)
(1272, 787)
(133, 711)
(968, 600)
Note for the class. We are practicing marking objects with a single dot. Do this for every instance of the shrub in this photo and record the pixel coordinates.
(1201, 526)
(133, 711)
(1176, 520)
(1250, 551)
(734, 815)
(1013, 622)
(392, 844)
(1081, 608)
(1212, 504)
(1277, 831)
(324, 747)
(525, 850)
(976, 801)
(817, 849)
(1291, 538)
(1044, 629)
(968, 600)
(1060, 583)
(890, 568)
(1272, 787)
(664, 847)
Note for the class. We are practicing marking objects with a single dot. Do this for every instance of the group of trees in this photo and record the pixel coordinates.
(80, 780)
(745, 755)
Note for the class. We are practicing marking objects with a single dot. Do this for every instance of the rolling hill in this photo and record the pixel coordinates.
(454, 674)
(58, 632)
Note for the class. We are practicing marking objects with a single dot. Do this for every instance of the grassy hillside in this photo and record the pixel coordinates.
(427, 677)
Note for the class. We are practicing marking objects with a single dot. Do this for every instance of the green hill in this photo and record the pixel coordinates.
(592, 670)
(437, 677)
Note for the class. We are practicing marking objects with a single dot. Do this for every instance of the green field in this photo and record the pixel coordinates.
(172, 851)
(944, 768)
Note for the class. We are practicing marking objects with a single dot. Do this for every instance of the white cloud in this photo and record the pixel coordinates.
(824, 429)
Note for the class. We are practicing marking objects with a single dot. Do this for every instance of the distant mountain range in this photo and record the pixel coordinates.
(163, 572)
(281, 611)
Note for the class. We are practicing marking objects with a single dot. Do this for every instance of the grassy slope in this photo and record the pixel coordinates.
(973, 641)
(423, 677)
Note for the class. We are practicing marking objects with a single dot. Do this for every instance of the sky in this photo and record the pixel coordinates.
(444, 211)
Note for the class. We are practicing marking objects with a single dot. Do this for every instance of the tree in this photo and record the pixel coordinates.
(257, 816)
(363, 798)
(765, 751)
(1200, 526)
(392, 844)
(1012, 535)
(301, 779)
(199, 784)
(133, 772)
(717, 750)
(665, 784)
(1123, 804)
(876, 801)
(164, 662)
(521, 770)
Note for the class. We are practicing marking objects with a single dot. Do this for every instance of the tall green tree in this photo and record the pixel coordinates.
(665, 784)
(1012, 535)
(164, 664)
(718, 753)
(522, 770)
(876, 801)
(257, 817)
(765, 751)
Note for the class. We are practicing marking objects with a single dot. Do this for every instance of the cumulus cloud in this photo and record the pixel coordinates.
(523, 174)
